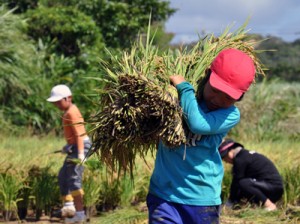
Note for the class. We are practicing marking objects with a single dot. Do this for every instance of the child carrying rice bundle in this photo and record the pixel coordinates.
(139, 107)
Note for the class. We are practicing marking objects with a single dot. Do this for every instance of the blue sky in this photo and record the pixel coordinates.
(279, 18)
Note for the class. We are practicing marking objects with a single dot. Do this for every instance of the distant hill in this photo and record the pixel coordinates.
(281, 58)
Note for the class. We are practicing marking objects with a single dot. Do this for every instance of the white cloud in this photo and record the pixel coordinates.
(275, 17)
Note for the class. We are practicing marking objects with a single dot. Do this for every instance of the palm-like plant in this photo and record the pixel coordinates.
(22, 75)
(15, 57)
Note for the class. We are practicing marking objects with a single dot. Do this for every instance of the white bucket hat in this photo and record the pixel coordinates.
(59, 92)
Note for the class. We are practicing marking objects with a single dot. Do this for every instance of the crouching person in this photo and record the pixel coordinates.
(255, 177)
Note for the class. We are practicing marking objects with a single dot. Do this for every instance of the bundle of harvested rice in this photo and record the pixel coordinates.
(138, 106)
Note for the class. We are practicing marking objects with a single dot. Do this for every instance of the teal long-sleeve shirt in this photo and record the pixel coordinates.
(192, 174)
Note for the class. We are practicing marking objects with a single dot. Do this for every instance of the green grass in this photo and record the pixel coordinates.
(255, 216)
(24, 152)
(284, 153)
(270, 112)
(135, 215)
(21, 153)
(128, 215)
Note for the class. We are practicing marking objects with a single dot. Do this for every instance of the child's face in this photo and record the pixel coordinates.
(228, 158)
(216, 99)
(63, 104)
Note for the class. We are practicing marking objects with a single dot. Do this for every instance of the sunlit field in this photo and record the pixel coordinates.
(269, 125)
(125, 203)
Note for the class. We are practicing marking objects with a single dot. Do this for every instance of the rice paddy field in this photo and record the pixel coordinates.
(127, 203)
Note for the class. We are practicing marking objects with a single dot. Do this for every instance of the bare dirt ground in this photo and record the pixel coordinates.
(243, 216)
(43, 220)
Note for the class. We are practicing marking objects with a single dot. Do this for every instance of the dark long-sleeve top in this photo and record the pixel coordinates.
(250, 164)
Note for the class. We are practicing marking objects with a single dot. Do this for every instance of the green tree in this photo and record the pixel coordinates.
(119, 21)
(162, 39)
(71, 29)
(20, 6)
(72, 46)
(281, 58)
(20, 79)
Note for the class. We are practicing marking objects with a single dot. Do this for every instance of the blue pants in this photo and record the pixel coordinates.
(165, 212)
(70, 175)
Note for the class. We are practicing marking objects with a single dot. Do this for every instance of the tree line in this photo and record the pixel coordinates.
(46, 42)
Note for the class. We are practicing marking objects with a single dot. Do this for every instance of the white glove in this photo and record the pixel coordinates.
(82, 158)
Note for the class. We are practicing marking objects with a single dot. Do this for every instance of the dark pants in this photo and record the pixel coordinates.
(70, 175)
(165, 212)
(259, 191)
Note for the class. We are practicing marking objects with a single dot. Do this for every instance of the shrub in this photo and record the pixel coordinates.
(71, 29)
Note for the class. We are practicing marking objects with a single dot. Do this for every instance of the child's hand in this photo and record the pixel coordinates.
(176, 79)
(81, 157)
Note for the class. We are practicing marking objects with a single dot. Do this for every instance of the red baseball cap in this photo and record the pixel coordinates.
(232, 72)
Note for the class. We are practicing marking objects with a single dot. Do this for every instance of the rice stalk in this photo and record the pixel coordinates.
(10, 186)
(138, 106)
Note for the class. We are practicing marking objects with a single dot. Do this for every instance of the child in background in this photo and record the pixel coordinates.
(78, 144)
(255, 177)
(185, 186)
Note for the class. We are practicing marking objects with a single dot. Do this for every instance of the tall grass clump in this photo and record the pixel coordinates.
(10, 185)
(226, 183)
(101, 187)
(134, 192)
(291, 185)
(92, 185)
(44, 189)
(138, 106)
